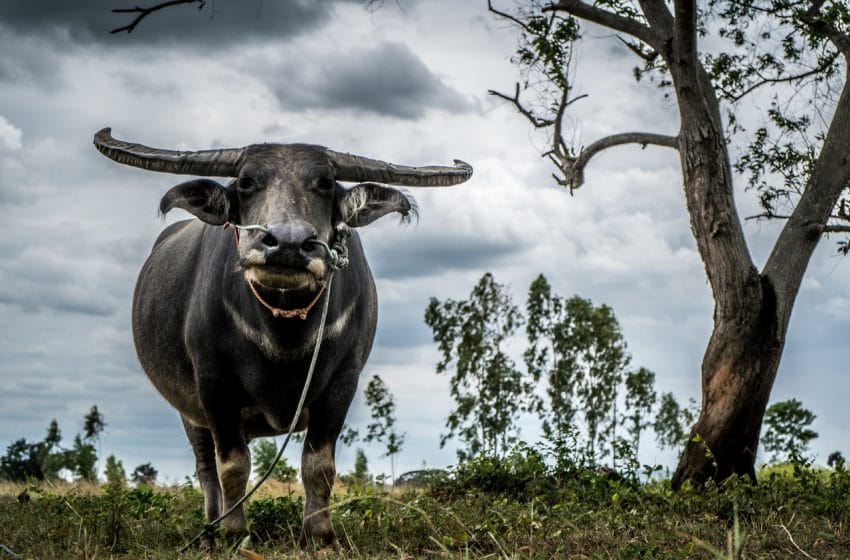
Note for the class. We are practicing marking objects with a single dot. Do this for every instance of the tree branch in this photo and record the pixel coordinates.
(536, 121)
(145, 12)
(507, 16)
(638, 49)
(835, 229)
(607, 19)
(812, 18)
(796, 77)
(573, 168)
(658, 15)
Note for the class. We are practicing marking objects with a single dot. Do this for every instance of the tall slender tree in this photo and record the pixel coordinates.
(709, 59)
(640, 400)
(382, 429)
(490, 391)
(579, 349)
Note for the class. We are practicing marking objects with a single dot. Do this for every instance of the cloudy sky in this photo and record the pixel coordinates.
(406, 83)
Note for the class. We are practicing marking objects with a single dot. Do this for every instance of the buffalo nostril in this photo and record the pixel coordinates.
(269, 240)
(310, 244)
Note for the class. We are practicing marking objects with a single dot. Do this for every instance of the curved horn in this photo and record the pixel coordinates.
(210, 163)
(349, 167)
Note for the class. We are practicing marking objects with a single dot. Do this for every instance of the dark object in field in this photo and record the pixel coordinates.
(203, 324)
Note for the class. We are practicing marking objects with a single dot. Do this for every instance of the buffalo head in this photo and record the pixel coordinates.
(286, 199)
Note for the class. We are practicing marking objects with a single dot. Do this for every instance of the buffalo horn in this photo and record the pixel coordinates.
(210, 163)
(349, 167)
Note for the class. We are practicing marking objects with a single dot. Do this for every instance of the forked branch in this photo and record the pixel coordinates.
(812, 17)
(145, 12)
(608, 19)
(538, 122)
(572, 168)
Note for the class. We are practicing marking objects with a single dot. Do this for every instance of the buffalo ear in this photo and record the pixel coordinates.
(206, 199)
(364, 203)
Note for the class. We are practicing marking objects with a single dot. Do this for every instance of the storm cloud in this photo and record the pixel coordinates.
(217, 24)
(384, 79)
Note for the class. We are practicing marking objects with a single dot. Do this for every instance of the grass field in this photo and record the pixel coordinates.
(518, 508)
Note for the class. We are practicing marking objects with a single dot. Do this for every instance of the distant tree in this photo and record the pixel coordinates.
(547, 357)
(640, 400)
(50, 455)
(263, 453)
(382, 428)
(348, 435)
(835, 460)
(361, 468)
(20, 461)
(359, 477)
(41, 460)
(671, 422)
(144, 474)
(599, 349)
(114, 472)
(489, 390)
(93, 424)
(81, 459)
(787, 433)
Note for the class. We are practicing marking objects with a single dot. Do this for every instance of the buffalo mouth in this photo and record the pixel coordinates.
(284, 277)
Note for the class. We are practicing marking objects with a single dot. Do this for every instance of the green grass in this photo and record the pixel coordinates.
(518, 508)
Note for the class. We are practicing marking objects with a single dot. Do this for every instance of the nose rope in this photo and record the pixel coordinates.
(337, 254)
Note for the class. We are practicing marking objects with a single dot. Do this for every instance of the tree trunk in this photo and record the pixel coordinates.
(743, 352)
(738, 371)
(752, 310)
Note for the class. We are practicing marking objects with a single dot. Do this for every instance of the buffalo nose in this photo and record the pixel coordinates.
(292, 237)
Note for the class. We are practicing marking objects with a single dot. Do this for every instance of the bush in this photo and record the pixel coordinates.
(276, 518)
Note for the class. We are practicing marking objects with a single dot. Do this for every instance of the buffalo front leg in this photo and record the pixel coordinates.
(206, 471)
(317, 472)
(234, 467)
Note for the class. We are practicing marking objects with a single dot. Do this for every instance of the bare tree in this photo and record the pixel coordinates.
(799, 163)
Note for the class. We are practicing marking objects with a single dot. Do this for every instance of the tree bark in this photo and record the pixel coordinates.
(743, 353)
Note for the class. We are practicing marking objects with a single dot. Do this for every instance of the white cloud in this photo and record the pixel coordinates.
(10, 135)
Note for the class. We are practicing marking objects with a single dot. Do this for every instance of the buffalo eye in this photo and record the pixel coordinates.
(325, 184)
(246, 184)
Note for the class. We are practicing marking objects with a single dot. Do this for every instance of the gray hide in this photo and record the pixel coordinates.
(217, 354)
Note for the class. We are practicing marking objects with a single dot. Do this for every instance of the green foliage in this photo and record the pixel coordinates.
(276, 518)
(348, 435)
(40, 460)
(359, 477)
(672, 422)
(114, 472)
(490, 391)
(82, 459)
(43, 460)
(521, 473)
(640, 400)
(787, 435)
(361, 467)
(263, 454)
(579, 349)
(382, 428)
(93, 424)
(144, 474)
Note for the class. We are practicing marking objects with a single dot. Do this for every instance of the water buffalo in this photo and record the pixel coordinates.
(222, 319)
